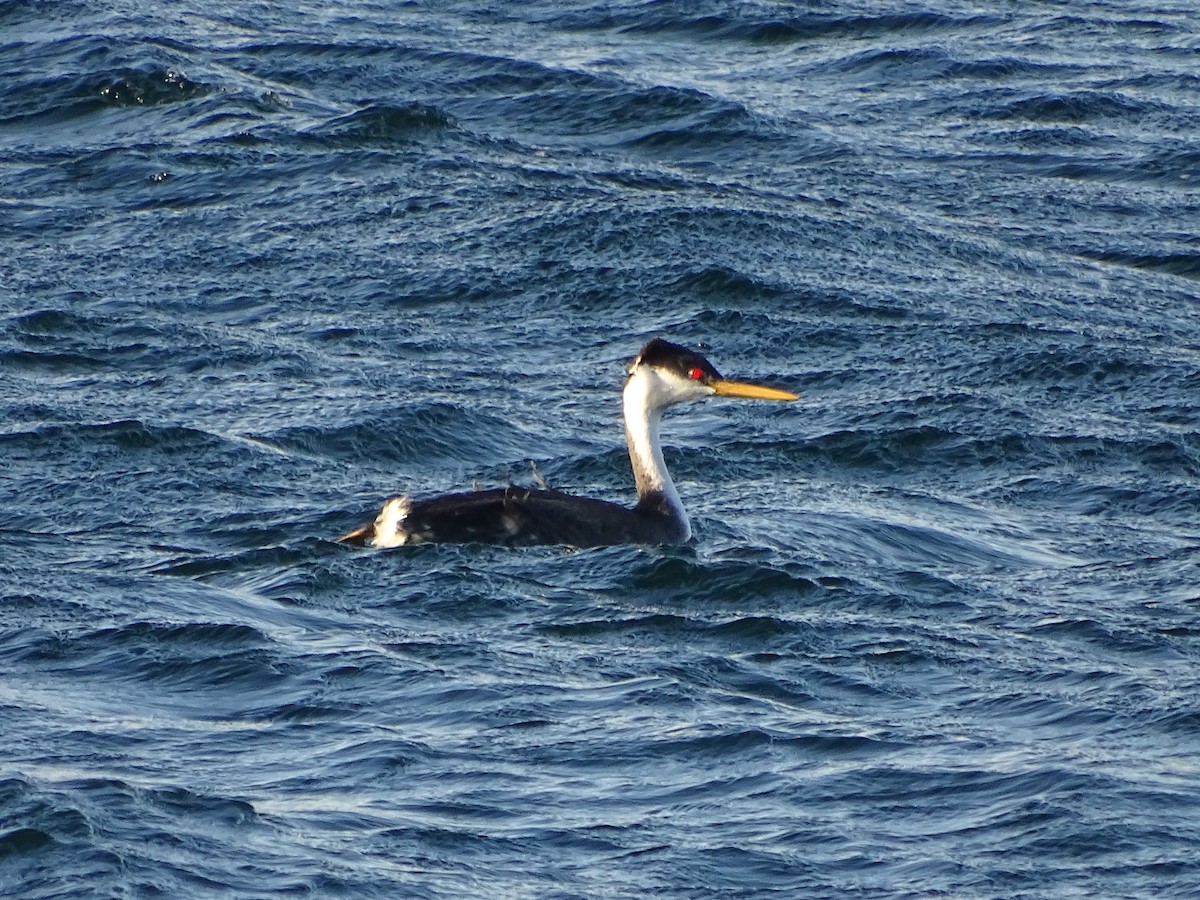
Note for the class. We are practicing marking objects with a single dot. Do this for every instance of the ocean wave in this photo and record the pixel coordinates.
(196, 656)
(86, 829)
(382, 124)
(268, 265)
(24, 841)
(701, 24)
(722, 743)
(610, 112)
(62, 338)
(502, 97)
(728, 580)
(119, 74)
(933, 447)
(130, 435)
(437, 430)
(1186, 265)
(1076, 107)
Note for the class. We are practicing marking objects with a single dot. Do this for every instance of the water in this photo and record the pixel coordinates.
(266, 264)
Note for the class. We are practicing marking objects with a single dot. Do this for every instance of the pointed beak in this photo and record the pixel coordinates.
(358, 534)
(751, 391)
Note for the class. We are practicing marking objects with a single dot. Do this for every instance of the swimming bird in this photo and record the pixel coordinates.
(662, 375)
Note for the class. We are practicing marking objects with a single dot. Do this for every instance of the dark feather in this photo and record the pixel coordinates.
(519, 517)
(680, 360)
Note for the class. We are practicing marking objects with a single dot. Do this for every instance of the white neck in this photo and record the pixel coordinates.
(650, 474)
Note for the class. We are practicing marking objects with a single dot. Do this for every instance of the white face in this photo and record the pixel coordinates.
(660, 388)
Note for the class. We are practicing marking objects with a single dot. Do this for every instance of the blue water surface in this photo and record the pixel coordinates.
(264, 264)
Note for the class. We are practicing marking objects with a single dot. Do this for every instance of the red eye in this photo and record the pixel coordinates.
(696, 374)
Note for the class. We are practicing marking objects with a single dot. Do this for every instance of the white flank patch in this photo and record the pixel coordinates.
(389, 524)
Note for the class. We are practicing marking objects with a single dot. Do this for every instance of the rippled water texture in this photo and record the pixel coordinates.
(264, 264)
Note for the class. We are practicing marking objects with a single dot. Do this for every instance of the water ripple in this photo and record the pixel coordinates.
(264, 266)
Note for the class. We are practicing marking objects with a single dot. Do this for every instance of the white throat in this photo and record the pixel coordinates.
(643, 402)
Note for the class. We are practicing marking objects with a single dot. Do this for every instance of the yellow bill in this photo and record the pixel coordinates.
(752, 391)
(357, 534)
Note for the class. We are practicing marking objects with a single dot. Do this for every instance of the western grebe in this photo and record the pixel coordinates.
(662, 375)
